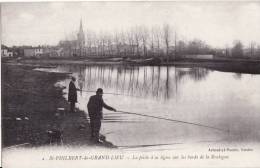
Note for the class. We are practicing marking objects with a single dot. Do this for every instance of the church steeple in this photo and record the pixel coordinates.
(81, 35)
(80, 27)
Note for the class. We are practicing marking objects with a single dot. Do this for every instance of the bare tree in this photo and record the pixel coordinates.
(96, 44)
(117, 43)
(130, 38)
(109, 44)
(137, 40)
(257, 51)
(123, 43)
(181, 47)
(152, 39)
(252, 48)
(157, 38)
(175, 45)
(90, 41)
(144, 37)
(167, 39)
(102, 43)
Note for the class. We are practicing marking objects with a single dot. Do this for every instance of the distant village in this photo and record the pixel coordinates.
(136, 43)
(65, 48)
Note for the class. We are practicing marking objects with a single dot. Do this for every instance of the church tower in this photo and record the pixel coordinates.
(81, 37)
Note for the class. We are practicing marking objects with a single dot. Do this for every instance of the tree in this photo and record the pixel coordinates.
(194, 47)
(237, 50)
(252, 49)
(89, 41)
(109, 44)
(258, 51)
(157, 36)
(155, 40)
(130, 39)
(152, 44)
(102, 37)
(181, 48)
(175, 45)
(198, 47)
(137, 40)
(167, 39)
(117, 43)
(123, 44)
(144, 36)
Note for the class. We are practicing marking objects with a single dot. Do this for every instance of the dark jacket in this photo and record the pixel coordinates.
(95, 106)
(72, 97)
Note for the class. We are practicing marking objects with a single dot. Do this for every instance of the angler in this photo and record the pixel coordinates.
(72, 96)
(95, 107)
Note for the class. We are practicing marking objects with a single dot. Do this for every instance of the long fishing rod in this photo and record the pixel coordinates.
(103, 93)
(118, 94)
(179, 121)
(107, 93)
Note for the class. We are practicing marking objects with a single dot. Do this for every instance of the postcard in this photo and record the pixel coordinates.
(130, 83)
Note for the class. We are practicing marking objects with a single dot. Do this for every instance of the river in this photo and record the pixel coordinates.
(226, 101)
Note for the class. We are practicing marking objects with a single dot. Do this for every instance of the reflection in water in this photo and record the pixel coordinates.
(196, 74)
(81, 79)
(154, 82)
(238, 75)
(194, 95)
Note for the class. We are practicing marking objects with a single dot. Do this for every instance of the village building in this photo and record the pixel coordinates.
(6, 52)
(33, 51)
(199, 56)
(81, 39)
(49, 51)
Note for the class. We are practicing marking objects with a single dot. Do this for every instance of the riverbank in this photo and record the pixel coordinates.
(239, 66)
(236, 66)
(32, 105)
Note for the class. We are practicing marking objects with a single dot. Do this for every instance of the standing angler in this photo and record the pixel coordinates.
(72, 97)
(95, 106)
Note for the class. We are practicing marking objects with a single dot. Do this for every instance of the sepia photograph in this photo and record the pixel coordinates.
(155, 84)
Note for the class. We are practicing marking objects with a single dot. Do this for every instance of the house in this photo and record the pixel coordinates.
(6, 52)
(33, 51)
(199, 56)
(223, 52)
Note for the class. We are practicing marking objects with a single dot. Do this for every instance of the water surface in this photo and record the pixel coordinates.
(227, 101)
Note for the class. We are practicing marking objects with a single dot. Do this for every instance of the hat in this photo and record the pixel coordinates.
(99, 90)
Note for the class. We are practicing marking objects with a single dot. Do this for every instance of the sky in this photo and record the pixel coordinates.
(216, 23)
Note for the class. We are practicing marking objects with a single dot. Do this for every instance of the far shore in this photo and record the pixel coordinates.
(224, 65)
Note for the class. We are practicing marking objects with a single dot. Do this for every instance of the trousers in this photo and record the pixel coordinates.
(95, 125)
(72, 107)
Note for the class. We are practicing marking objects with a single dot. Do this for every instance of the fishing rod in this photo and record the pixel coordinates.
(179, 121)
(103, 93)
(118, 94)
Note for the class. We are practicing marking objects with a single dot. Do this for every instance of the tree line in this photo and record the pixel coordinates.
(157, 41)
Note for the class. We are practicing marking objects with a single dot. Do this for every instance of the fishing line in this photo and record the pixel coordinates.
(178, 121)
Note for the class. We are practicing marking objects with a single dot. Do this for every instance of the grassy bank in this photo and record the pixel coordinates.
(29, 109)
